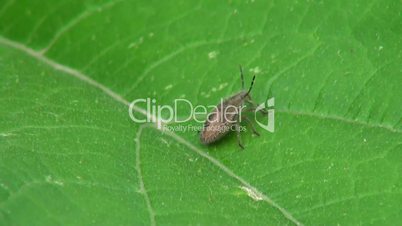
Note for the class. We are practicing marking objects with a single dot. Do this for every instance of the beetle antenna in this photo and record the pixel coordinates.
(251, 86)
(242, 77)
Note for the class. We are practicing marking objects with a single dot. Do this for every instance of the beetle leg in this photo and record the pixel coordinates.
(251, 125)
(254, 106)
(263, 111)
(237, 126)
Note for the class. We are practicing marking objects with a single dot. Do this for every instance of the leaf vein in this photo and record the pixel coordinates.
(142, 188)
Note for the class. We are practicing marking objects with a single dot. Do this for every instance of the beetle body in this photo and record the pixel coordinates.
(226, 116)
(222, 119)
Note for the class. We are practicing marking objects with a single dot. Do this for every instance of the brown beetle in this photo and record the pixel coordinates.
(227, 115)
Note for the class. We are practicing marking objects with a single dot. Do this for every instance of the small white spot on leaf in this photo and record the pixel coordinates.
(59, 182)
(4, 186)
(255, 70)
(222, 86)
(252, 194)
(205, 94)
(50, 180)
(168, 87)
(137, 43)
(213, 54)
(6, 134)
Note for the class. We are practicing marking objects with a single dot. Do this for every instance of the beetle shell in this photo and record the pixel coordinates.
(222, 118)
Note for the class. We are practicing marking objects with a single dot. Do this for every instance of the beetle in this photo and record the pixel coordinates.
(227, 115)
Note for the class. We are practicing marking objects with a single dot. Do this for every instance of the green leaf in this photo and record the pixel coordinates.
(71, 155)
